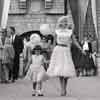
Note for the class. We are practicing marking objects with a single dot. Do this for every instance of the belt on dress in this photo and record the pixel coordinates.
(63, 45)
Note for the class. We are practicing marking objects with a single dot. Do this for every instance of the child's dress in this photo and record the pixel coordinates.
(36, 69)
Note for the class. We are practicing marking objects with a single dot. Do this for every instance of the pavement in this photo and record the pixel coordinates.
(79, 88)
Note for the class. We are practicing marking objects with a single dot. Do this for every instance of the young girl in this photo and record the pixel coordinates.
(36, 69)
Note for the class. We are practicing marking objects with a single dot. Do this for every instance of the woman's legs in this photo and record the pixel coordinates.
(62, 83)
(65, 84)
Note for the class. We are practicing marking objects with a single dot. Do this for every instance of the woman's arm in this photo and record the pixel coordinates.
(74, 41)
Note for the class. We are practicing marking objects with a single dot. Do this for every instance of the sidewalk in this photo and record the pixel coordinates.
(82, 88)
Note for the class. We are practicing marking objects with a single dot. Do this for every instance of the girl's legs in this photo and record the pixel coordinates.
(34, 85)
(39, 87)
(34, 88)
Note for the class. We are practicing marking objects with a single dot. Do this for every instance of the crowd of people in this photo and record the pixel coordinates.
(44, 57)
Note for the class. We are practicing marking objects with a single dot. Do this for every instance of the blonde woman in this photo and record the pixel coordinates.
(61, 64)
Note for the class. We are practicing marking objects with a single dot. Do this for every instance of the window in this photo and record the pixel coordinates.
(16, 8)
(48, 3)
(22, 4)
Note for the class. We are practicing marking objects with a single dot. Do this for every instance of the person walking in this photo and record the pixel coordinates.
(61, 64)
(35, 70)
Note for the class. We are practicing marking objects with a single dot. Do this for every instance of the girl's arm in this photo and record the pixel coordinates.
(43, 60)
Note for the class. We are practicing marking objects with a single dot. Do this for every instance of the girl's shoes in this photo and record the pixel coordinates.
(34, 93)
(39, 93)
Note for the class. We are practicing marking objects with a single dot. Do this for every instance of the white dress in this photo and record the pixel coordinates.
(61, 63)
(36, 70)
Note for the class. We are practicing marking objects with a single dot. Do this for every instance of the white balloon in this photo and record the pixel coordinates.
(45, 29)
(35, 38)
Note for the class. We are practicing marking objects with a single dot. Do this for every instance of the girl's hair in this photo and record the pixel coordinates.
(37, 47)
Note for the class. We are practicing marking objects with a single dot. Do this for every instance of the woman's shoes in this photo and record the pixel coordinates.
(63, 93)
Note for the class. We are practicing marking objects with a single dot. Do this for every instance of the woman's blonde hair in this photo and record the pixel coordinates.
(65, 20)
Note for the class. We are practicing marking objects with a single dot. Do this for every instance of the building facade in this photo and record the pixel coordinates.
(28, 15)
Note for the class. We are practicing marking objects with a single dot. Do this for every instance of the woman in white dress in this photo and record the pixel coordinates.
(61, 63)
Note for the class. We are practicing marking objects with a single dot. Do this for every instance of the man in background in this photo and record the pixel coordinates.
(18, 47)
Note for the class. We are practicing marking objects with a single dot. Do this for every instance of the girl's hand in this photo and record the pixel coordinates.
(25, 71)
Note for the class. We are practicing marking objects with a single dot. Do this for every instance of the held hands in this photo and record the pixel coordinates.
(83, 52)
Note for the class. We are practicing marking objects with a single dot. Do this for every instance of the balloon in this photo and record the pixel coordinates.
(45, 29)
(35, 38)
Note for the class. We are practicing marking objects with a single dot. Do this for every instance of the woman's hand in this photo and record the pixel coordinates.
(83, 52)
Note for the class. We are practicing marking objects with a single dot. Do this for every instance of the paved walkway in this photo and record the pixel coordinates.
(82, 88)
